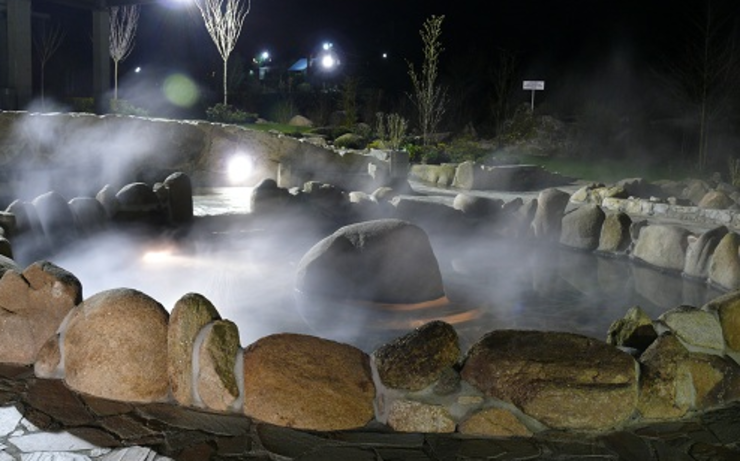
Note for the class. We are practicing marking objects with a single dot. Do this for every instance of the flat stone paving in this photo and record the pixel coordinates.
(43, 420)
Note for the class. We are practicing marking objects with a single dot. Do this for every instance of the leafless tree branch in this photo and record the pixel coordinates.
(224, 20)
(124, 21)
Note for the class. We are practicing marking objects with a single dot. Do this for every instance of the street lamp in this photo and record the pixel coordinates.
(328, 59)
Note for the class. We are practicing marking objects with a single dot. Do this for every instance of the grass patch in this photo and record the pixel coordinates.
(609, 170)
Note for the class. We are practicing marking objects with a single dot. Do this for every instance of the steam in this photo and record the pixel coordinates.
(77, 154)
(245, 264)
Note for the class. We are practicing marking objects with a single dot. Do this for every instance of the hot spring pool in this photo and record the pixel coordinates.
(248, 272)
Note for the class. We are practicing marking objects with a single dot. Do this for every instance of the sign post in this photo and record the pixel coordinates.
(533, 85)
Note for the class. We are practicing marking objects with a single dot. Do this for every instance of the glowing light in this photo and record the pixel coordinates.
(327, 46)
(328, 61)
(180, 90)
(239, 168)
(385, 55)
(137, 70)
(265, 55)
(161, 256)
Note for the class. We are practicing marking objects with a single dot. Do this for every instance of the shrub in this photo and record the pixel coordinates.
(431, 155)
(350, 141)
(224, 113)
(82, 104)
(123, 107)
(465, 148)
(391, 129)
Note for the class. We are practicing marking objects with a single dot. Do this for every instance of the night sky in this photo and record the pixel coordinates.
(557, 41)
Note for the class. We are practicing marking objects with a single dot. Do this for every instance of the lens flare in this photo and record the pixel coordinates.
(180, 90)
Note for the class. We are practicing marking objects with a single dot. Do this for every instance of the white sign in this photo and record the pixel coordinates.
(534, 85)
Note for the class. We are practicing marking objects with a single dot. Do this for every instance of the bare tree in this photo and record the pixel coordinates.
(124, 21)
(429, 98)
(46, 43)
(703, 78)
(503, 77)
(224, 20)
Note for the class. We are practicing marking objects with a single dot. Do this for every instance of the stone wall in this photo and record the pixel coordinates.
(122, 345)
(90, 151)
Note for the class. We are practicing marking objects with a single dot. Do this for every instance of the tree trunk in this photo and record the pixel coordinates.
(225, 83)
(115, 80)
(43, 100)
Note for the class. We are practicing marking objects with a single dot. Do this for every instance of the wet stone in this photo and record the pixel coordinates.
(675, 380)
(448, 382)
(384, 261)
(628, 446)
(727, 308)
(695, 327)
(494, 422)
(634, 330)
(104, 407)
(289, 442)
(410, 416)
(705, 452)
(96, 437)
(307, 382)
(191, 313)
(56, 400)
(106, 336)
(188, 419)
(233, 446)
(566, 381)
(340, 454)
(32, 306)
(217, 383)
(418, 359)
(126, 427)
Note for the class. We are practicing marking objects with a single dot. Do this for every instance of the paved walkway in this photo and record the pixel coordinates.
(41, 420)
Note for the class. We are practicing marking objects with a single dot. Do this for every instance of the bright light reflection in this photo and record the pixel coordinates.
(328, 61)
(161, 256)
(239, 168)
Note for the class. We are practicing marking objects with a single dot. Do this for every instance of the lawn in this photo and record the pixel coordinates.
(610, 170)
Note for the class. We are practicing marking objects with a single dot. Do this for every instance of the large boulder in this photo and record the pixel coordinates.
(26, 218)
(696, 328)
(581, 228)
(727, 310)
(179, 197)
(56, 219)
(548, 218)
(662, 246)
(675, 381)
(309, 383)
(115, 347)
(89, 215)
(192, 312)
(32, 306)
(433, 216)
(724, 268)
(416, 360)
(268, 198)
(384, 261)
(476, 207)
(700, 251)
(615, 233)
(564, 380)
(716, 200)
(137, 202)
